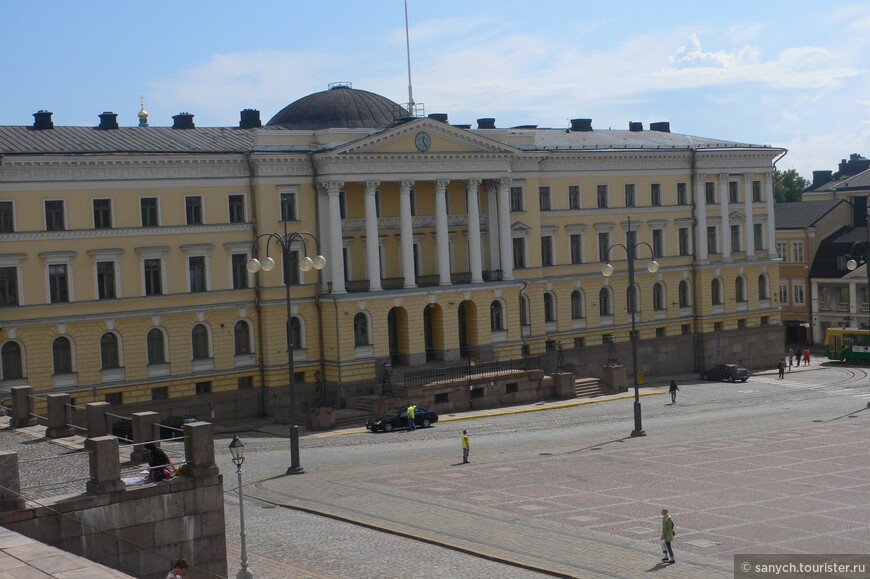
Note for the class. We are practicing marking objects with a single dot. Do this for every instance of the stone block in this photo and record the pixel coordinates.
(174, 530)
(321, 418)
(212, 523)
(203, 500)
(96, 418)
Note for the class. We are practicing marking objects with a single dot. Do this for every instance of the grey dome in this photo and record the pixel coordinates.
(340, 107)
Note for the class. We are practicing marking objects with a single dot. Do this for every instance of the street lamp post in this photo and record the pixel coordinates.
(237, 449)
(317, 262)
(560, 356)
(633, 299)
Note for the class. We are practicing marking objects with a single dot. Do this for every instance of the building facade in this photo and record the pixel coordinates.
(125, 248)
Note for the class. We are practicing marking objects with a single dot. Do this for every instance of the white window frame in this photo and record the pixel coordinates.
(50, 258)
(113, 255)
(146, 253)
(198, 250)
(797, 251)
(799, 293)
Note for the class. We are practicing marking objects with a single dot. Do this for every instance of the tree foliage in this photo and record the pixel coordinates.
(788, 185)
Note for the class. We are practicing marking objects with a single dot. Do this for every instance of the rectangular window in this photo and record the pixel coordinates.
(602, 196)
(682, 194)
(686, 329)
(291, 268)
(54, 216)
(544, 198)
(148, 211)
(8, 286)
(161, 393)
(519, 246)
(576, 248)
(735, 238)
(203, 388)
(658, 243)
(546, 250)
(245, 382)
(756, 191)
(516, 198)
(733, 192)
(579, 342)
(765, 320)
(288, 207)
(758, 234)
(798, 293)
(660, 332)
(58, 283)
(153, 277)
(797, 251)
(710, 192)
(106, 280)
(573, 196)
(631, 242)
(783, 293)
(718, 326)
(196, 270)
(236, 207)
(7, 220)
(781, 251)
(630, 201)
(193, 210)
(114, 398)
(240, 272)
(711, 240)
(655, 194)
(741, 323)
(102, 213)
(683, 237)
(603, 246)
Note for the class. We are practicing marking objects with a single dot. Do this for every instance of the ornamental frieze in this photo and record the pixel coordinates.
(419, 222)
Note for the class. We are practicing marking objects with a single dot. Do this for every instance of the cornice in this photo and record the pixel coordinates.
(124, 232)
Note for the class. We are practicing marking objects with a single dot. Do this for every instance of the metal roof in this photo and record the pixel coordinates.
(556, 139)
(858, 181)
(801, 214)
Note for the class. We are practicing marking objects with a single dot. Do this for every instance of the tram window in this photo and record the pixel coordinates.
(847, 339)
(862, 340)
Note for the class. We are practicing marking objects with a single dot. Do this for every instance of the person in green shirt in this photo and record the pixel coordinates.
(667, 537)
(466, 446)
(411, 424)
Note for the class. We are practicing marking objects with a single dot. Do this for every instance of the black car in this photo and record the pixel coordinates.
(171, 427)
(398, 418)
(123, 429)
(730, 372)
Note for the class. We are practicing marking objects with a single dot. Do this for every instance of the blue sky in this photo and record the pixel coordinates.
(792, 73)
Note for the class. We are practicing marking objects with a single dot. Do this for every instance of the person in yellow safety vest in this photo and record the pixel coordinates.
(466, 446)
(411, 424)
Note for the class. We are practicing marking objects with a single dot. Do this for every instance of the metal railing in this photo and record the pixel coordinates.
(469, 371)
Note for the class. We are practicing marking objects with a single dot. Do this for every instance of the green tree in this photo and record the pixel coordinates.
(788, 185)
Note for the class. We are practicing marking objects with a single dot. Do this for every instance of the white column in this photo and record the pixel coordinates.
(492, 224)
(335, 259)
(701, 217)
(724, 206)
(771, 221)
(748, 234)
(373, 262)
(442, 242)
(504, 228)
(474, 257)
(406, 230)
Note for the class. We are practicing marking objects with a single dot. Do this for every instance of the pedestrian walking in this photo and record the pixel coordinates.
(790, 359)
(781, 367)
(667, 537)
(411, 424)
(466, 446)
(673, 390)
(179, 569)
(797, 356)
(806, 356)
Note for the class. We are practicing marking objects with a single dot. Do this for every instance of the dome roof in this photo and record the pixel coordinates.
(340, 107)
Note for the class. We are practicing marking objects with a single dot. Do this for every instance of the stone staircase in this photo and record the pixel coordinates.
(359, 410)
(588, 388)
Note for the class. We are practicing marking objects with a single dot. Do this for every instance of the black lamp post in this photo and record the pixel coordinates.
(633, 303)
(560, 356)
(237, 449)
(317, 262)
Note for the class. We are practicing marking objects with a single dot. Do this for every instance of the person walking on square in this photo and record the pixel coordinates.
(806, 356)
(781, 367)
(411, 424)
(797, 356)
(790, 359)
(667, 537)
(673, 390)
(466, 446)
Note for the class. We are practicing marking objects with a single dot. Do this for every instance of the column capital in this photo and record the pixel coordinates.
(332, 187)
(441, 185)
(747, 176)
(723, 177)
(505, 182)
(472, 183)
(372, 187)
(405, 187)
(700, 177)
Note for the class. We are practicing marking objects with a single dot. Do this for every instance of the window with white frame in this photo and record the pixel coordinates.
(683, 239)
(682, 194)
(578, 309)
(603, 246)
(711, 239)
(7, 217)
(519, 251)
(781, 250)
(61, 355)
(733, 192)
(630, 200)
(763, 287)
(783, 292)
(659, 296)
(288, 206)
(658, 243)
(573, 196)
(155, 346)
(797, 251)
(110, 351)
(685, 294)
(576, 243)
(9, 281)
(361, 330)
(655, 194)
(544, 198)
(740, 288)
(102, 213)
(716, 292)
(546, 250)
(798, 293)
(735, 238)
(605, 303)
(758, 235)
(756, 191)
(198, 266)
(193, 209)
(710, 192)
(496, 316)
(602, 196)
(242, 338)
(59, 276)
(517, 199)
(549, 307)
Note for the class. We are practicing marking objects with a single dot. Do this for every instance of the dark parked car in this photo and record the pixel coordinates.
(123, 429)
(175, 422)
(730, 372)
(398, 418)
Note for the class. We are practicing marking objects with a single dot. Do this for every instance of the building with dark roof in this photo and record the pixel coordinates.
(852, 179)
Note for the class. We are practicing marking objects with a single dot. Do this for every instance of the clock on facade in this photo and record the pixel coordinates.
(423, 141)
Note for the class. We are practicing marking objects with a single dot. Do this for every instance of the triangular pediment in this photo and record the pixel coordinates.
(423, 137)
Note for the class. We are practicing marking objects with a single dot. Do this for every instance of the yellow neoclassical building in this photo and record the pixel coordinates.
(124, 250)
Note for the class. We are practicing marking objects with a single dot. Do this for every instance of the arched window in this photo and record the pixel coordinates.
(361, 330)
(763, 289)
(549, 307)
(12, 366)
(740, 288)
(61, 354)
(525, 317)
(633, 302)
(294, 332)
(496, 316)
(199, 342)
(242, 338)
(578, 309)
(156, 346)
(685, 294)
(605, 304)
(659, 296)
(109, 354)
(716, 291)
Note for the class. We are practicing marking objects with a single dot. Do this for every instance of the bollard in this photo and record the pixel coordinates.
(22, 407)
(10, 482)
(199, 449)
(143, 431)
(105, 465)
(59, 416)
(96, 416)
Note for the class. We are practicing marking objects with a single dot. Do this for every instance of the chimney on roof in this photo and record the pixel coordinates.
(108, 120)
(635, 127)
(821, 177)
(662, 127)
(486, 123)
(183, 121)
(584, 125)
(853, 166)
(42, 120)
(438, 117)
(250, 119)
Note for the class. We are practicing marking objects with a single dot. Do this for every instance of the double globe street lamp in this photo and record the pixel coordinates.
(318, 262)
(633, 300)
